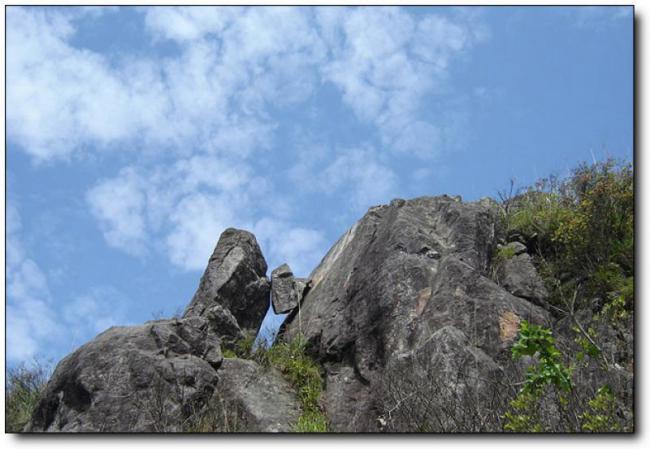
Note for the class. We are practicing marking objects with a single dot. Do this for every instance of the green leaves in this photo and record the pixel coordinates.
(534, 339)
(22, 392)
(537, 341)
(291, 359)
(582, 228)
(601, 418)
(304, 374)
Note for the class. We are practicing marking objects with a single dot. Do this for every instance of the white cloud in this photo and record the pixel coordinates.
(30, 318)
(188, 204)
(118, 204)
(59, 98)
(300, 247)
(386, 62)
(598, 16)
(233, 64)
(189, 23)
(196, 223)
(93, 312)
(63, 100)
(196, 122)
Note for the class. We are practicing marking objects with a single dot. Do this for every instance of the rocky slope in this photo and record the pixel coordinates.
(161, 375)
(409, 278)
(407, 307)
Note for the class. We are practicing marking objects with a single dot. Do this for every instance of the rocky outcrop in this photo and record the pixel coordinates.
(234, 279)
(407, 276)
(518, 275)
(266, 401)
(147, 378)
(286, 290)
(162, 375)
(413, 312)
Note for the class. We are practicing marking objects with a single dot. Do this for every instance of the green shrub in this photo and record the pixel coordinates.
(505, 253)
(601, 417)
(228, 353)
(311, 422)
(22, 391)
(550, 370)
(582, 228)
(537, 341)
(244, 347)
(304, 374)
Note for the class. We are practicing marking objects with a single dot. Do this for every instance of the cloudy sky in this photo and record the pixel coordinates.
(136, 135)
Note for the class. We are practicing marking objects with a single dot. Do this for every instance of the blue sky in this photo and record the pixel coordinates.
(136, 135)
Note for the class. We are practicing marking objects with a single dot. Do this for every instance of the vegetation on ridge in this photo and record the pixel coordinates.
(580, 231)
(22, 390)
(304, 374)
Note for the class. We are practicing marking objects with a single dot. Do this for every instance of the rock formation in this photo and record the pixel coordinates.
(408, 278)
(286, 290)
(157, 376)
(408, 304)
(518, 275)
(234, 279)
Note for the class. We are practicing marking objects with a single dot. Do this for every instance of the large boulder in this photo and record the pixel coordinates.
(146, 378)
(266, 402)
(286, 290)
(392, 283)
(236, 280)
(162, 375)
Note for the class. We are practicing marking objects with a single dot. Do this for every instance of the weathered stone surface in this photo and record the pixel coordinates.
(225, 323)
(286, 290)
(267, 401)
(392, 283)
(152, 377)
(404, 297)
(519, 276)
(235, 279)
(144, 378)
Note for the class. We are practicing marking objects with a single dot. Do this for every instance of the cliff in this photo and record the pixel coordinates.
(410, 317)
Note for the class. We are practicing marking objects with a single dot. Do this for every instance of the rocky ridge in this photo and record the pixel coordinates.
(410, 293)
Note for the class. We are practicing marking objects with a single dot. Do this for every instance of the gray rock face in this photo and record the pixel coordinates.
(519, 276)
(401, 313)
(235, 279)
(146, 378)
(286, 290)
(266, 400)
(159, 376)
(221, 319)
(407, 275)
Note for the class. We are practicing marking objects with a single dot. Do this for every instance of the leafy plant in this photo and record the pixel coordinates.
(601, 418)
(535, 340)
(582, 228)
(505, 252)
(244, 347)
(524, 416)
(549, 370)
